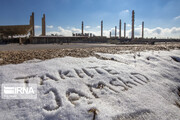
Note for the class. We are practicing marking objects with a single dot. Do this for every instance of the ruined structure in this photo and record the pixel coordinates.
(7, 33)
(91, 35)
(110, 34)
(132, 37)
(18, 30)
(101, 28)
(124, 30)
(43, 26)
(142, 29)
(82, 34)
(119, 29)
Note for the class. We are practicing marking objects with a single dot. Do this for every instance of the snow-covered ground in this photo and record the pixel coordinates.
(127, 86)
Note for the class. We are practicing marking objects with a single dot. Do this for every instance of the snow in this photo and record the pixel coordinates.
(141, 85)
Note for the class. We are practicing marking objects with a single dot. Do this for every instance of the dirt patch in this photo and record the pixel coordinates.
(19, 56)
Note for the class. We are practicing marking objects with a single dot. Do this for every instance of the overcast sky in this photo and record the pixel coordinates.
(161, 17)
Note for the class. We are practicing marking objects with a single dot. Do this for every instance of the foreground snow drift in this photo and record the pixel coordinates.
(127, 86)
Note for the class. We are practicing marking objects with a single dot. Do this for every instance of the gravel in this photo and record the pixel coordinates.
(19, 56)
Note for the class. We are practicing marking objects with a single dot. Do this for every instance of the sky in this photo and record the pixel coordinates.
(64, 17)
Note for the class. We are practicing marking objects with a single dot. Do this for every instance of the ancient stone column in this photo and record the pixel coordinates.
(110, 34)
(30, 23)
(82, 27)
(43, 26)
(101, 28)
(142, 29)
(32, 33)
(115, 31)
(33, 23)
(133, 24)
(124, 30)
(119, 29)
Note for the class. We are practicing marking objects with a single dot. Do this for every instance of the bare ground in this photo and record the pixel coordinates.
(14, 54)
